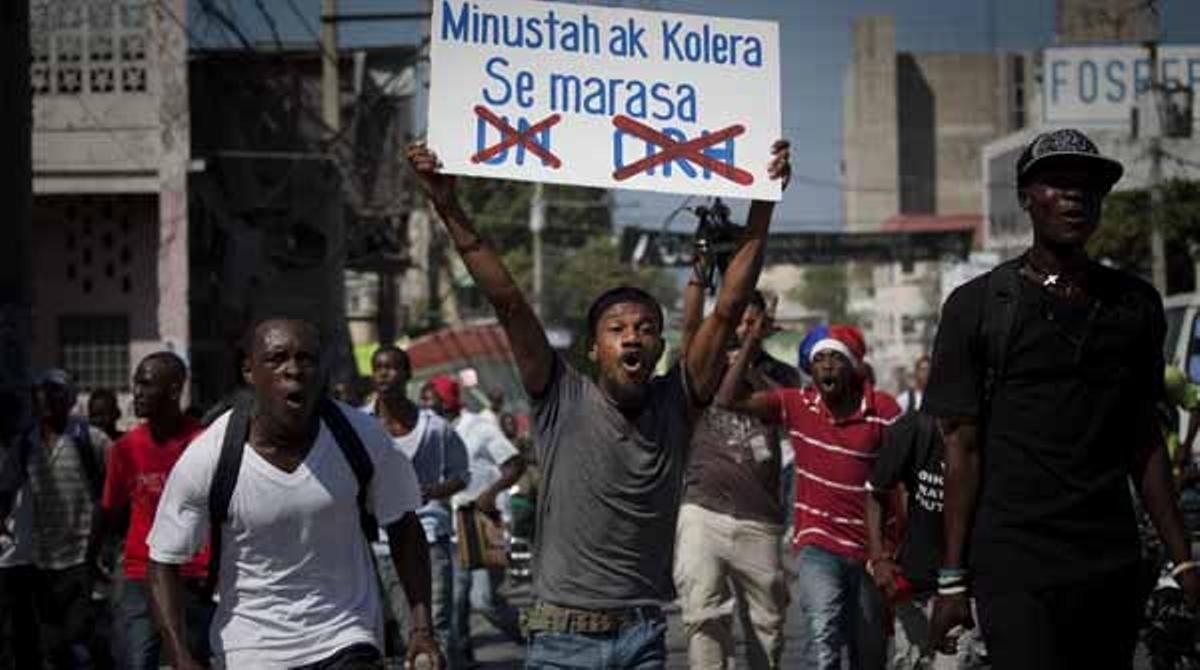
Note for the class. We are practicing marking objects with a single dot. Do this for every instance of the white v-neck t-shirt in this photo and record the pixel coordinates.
(296, 580)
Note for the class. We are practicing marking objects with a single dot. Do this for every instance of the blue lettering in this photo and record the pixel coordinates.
(1087, 81)
(678, 136)
(1141, 75)
(754, 54)
(1116, 76)
(523, 124)
(670, 41)
(542, 138)
(722, 152)
(481, 128)
(457, 29)
(1056, 78)
(492, 68)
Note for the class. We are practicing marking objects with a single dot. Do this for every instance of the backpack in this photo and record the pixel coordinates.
(230, 461)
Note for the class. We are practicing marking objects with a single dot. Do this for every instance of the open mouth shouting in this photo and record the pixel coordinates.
(295, 400)
(634, 364)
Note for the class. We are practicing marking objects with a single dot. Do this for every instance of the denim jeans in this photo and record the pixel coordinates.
(839, 606)
(479, 591)
(441, 567)
(642, 646)
(141, 633)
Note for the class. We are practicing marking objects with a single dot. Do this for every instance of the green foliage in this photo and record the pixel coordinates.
(1124, 234)
(580, 257)
(824, 289)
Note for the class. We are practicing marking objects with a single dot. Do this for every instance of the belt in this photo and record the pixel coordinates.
(546, 618)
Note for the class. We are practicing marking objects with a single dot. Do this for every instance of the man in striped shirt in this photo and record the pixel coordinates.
(836, 428)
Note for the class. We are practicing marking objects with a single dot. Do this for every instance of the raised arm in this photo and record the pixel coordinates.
(707, 346)
(693, 310)
(535, 357)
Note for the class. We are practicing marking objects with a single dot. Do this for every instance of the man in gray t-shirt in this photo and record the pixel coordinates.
(613, 449)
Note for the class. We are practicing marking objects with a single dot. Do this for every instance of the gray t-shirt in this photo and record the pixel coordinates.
(610, 491)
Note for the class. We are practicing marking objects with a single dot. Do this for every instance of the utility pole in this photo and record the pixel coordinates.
(331, 104)
(16, 192)
(537, 223)
(1158, 251)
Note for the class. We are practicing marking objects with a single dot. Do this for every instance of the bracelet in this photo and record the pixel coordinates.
(952, 590)
(1184, 567)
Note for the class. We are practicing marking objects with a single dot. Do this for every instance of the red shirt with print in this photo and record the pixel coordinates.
(138, 467)
(833, 461)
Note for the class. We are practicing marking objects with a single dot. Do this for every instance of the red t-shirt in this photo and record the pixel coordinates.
(137, 472)
(833, 463)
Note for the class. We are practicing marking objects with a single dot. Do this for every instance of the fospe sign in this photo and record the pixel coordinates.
(1098, 86)
(606, 97)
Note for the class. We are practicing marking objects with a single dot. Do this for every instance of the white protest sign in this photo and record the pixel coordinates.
(606, 97)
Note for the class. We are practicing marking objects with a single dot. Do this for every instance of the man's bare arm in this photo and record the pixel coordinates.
(961, 437)
(1152, 474)
(167, 597)
(534, 356)
(704, 353)
(410, 558)
(693, 311)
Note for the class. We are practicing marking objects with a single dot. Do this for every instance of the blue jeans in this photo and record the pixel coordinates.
(642, 646)
(839, 606)
(441, 568)
(141, 633)
(479, 591)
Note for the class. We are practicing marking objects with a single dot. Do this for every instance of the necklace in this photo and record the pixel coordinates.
(1054, 282)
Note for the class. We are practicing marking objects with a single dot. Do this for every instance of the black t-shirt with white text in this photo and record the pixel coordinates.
(1069, 416)
(912, 454)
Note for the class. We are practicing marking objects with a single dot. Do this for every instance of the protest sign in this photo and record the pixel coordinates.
(605, 96)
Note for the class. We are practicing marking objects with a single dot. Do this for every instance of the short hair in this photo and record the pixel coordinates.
(250, 339)
(757, 299)
(400, 354)
(171, 360)
(617, 296)
(106, 394)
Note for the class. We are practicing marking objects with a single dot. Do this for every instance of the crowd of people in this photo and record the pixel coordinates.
(294, 530)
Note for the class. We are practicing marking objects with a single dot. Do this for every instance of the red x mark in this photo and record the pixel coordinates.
(691, 150)
(511, 137)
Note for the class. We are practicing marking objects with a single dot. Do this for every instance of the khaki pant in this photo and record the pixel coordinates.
(723, 564)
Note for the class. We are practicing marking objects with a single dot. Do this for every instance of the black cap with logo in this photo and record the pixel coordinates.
(1067, 145)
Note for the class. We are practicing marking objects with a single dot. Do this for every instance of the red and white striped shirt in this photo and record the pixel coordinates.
(833, 461)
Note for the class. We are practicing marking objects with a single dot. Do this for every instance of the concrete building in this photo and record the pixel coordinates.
(913, 130)
(111, 150)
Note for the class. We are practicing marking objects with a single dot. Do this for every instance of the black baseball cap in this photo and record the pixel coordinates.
(1067, 145)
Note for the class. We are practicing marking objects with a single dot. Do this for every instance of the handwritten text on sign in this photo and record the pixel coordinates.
(606, 97)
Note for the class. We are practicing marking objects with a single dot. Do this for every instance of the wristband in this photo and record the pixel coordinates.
(959, 590)
(1184, 567)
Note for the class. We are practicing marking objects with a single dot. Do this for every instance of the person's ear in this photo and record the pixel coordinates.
(593, 353)
(246, 371)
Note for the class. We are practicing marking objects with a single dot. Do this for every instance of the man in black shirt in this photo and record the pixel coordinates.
(1047, 413)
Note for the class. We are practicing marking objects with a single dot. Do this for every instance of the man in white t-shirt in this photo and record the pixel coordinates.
(495, 466)
(297, 588)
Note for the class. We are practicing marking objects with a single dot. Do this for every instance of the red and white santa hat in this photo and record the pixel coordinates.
(846, 340)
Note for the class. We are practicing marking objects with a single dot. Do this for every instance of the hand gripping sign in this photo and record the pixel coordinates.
(605, 96)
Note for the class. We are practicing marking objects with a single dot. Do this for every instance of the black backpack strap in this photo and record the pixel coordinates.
(225, 481)
(1003, 293)
(356, 455)
(82, 438)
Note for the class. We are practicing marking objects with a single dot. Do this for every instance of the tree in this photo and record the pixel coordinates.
(825, 289)
(581, 257)
(1124, 235)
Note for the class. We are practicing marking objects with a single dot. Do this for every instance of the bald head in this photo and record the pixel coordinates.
(158, 387)
(173, 368)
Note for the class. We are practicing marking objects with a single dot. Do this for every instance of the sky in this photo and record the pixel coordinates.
(815, 52)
